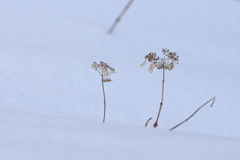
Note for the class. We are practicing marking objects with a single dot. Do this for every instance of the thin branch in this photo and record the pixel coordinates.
(194, 113)
(146, 124)
(120, 16)
(98, 72)
(161, 104)
(104, 114)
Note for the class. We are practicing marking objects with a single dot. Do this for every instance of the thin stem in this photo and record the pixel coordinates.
(104, 100)
(120, 16)
(161, 104)
(99, 72)
(194, 113)
(146, 124)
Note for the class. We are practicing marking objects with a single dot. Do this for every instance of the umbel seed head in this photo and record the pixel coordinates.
(104, 70)
(166, 62)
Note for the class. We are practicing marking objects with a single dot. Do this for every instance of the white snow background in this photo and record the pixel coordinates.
(51, 105)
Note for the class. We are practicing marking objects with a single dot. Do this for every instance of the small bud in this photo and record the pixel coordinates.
(143, 63)
(152, 66)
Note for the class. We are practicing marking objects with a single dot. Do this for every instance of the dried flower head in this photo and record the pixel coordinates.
(167, 62)
(104, 70)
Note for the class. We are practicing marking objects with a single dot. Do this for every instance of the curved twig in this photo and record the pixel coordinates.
(146, 124)
(194, 113)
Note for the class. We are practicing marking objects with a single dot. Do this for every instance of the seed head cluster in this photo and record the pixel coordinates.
(104, 70)
(167, 62)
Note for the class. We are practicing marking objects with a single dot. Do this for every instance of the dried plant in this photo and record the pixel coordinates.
(146, 124)
(167, 62)
(120, 16)
(105, 71)
(213, 99)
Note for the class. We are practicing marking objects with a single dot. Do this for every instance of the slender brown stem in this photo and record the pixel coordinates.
(104, 100)
(98, 72)
(146, 124)
(194, 113)
(161, 104)
(120, 16)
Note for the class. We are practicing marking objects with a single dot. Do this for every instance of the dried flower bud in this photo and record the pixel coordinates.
(107, 80)
(143, 63)
(152, 66)
(104, 70)
(167, 62)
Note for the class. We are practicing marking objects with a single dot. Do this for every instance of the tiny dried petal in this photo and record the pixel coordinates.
(105, 72)
(107, 80)
(143, 63)
(94, 65)
(152, 66)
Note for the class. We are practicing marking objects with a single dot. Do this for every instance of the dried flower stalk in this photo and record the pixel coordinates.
(167, 62)
(213, 99)
(120, 16)
(105, 71)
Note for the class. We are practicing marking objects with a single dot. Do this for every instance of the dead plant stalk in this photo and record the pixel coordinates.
(120, 16)
(167, 62)
(105, 71)
(212, 99)
(161, 104)
(104, 113)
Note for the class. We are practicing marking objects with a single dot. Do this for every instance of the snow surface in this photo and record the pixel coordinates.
(52, 105)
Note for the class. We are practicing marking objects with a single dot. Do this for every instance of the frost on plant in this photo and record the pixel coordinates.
(167, 62)
(105, 71)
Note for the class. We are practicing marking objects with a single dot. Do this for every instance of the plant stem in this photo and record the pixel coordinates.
(194, 113)
(146, 124)
(120, 16)
(104, 100)
(161, 104)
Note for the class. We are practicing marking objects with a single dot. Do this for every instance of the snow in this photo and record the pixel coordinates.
(52, 104)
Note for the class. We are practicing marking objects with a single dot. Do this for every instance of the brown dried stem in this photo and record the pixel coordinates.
(161, 104)
(146, 124)
(104, 100)
(104, 71)
(165, 63)
(194, 113)
(120, 16)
